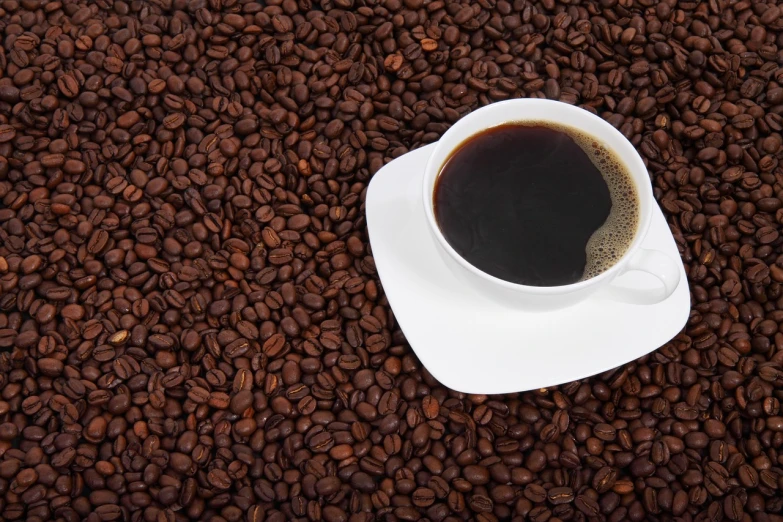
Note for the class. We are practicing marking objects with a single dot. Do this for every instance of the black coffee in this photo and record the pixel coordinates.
(536, 204)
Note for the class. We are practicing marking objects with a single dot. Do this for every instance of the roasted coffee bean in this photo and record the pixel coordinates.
(423, 497)
(535, 493)
(430, 407)
(587, 505)
(560, 495)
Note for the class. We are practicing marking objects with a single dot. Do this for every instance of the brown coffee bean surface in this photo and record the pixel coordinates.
(191, 323)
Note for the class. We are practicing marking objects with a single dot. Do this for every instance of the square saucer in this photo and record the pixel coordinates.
(475, 345)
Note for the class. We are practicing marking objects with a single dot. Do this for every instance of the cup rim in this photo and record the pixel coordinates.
(431, 173)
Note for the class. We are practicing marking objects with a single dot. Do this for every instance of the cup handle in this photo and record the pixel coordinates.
(655, 263)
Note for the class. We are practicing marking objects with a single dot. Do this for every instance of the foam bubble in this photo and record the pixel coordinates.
(609, 243)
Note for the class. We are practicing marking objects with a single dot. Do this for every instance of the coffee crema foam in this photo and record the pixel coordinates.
(610, 242)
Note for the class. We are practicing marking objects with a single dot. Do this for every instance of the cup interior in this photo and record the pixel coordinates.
(558, 113)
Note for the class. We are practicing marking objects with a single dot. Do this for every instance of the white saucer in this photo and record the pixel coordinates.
(475, 345)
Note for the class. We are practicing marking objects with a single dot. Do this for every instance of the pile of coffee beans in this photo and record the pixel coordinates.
(191, 323)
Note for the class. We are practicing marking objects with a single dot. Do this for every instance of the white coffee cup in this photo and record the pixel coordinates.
(653, 262)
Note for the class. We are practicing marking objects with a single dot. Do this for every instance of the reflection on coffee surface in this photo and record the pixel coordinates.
(537, 204)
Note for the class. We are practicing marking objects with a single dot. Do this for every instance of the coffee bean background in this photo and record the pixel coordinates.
(191, 324)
